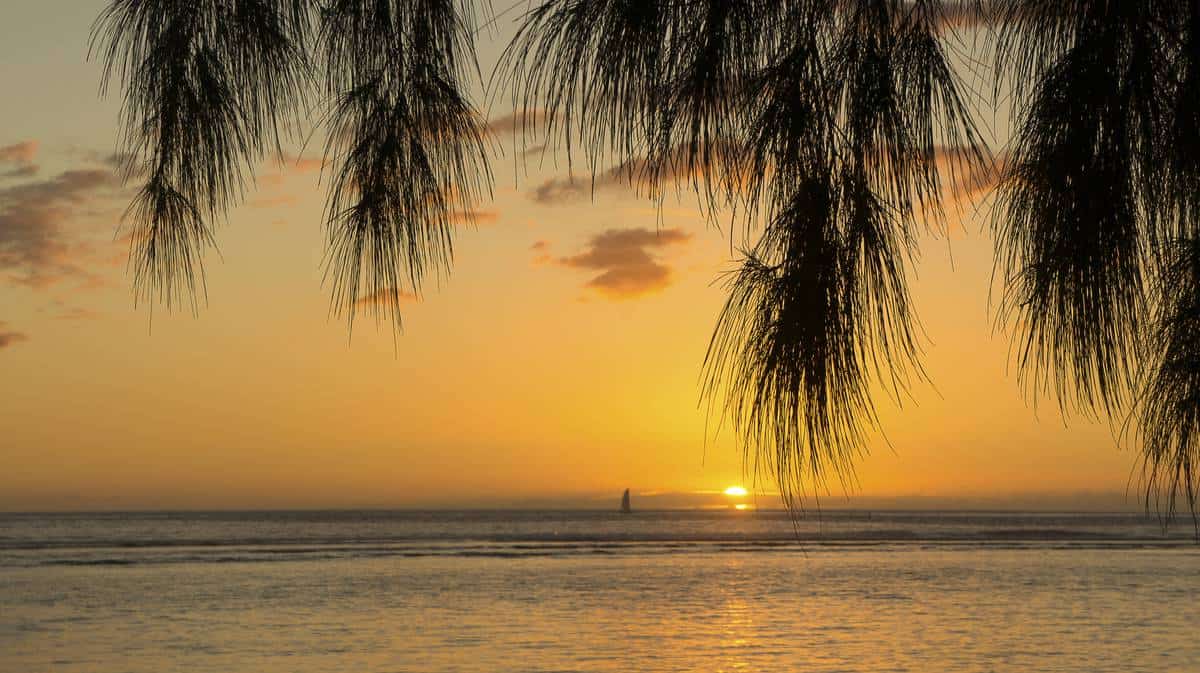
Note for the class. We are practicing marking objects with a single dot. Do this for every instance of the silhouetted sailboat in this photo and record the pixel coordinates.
(625, 503)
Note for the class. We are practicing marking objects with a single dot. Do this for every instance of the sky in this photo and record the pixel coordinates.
(559, 363)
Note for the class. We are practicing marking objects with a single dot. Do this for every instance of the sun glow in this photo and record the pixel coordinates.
(736, 491)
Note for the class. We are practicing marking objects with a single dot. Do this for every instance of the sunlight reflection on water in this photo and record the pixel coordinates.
(1059, 610)
(900, 607)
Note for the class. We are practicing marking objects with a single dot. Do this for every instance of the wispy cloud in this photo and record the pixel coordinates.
(628, 261)
(37, 248)
(9, 337)
(985, 178)
(388, 297)
(298, 164)
(962, 177)
(542, 248)
(633, 174)
(22, 152)
(966, 14)
(17, 161)
(518, 123)
(636, 174)
(272, 201)
(476, 217)
(564, 190)
(60, 310)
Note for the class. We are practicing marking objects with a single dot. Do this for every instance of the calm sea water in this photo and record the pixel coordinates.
(589, 591)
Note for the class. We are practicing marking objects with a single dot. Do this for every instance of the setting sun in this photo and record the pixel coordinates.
(736, 491)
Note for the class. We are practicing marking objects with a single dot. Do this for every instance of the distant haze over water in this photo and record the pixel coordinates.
(643, 498)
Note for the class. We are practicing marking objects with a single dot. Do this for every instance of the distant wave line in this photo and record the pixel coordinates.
(24, 559)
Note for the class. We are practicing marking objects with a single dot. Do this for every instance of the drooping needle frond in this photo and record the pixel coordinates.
(817, 309)
(845, 128)
(406, 144)
(1082, 196)
(1169, 403)
(208, 85)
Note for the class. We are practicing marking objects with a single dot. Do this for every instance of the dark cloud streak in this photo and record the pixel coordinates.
(20, 160)
(644, 176)
(518, 123)
(9, 337)
(35, 247)
(389, 297)
(626, 261)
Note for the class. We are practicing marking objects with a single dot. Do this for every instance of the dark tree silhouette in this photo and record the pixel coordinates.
(827, 131)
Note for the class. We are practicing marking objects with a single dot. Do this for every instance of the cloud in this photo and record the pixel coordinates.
(23, 152)
(388, 298)
(16, 161)
(9, 338)
(286, 166)
(62, 311)
(681, 167)
(538, 150)
(123, 164)
(626, 261)
(633, 174)
(21, 171)
(542, 248)
(570, 189)
(518, 123)
(476, 217)
(272, 201)
(986, 178)
(297, 164)
(563, 190)
(965, 14)
(36, 248)
(963, 180)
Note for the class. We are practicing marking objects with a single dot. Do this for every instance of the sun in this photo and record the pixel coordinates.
(736, 492)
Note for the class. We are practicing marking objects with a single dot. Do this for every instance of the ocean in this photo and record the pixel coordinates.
(302, 592)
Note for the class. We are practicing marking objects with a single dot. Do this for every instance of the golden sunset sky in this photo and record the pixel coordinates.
(560, 360)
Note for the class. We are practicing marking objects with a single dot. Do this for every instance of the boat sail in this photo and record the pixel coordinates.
(625, 503)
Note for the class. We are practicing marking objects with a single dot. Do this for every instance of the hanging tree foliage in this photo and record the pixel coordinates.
(828, 131)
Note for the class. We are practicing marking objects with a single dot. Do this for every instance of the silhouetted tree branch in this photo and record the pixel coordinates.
(831, 129)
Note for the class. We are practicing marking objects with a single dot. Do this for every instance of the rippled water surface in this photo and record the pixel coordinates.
(669, 591)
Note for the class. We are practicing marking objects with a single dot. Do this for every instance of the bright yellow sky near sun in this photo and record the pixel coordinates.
(560, 360)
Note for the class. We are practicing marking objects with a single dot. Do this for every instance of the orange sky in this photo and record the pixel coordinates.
(561, 359)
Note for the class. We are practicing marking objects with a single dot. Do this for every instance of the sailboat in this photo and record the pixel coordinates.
(625, 503)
